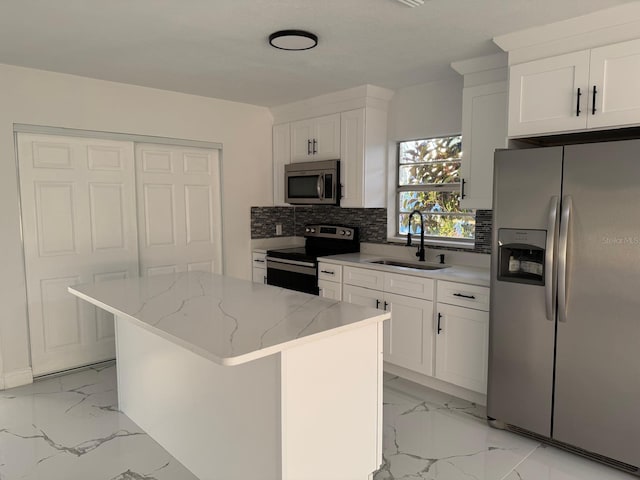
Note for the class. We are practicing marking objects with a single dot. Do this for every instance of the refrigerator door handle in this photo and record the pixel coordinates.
(562, 258)
(550, 259)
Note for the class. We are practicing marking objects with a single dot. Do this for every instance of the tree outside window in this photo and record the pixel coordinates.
(429, 181)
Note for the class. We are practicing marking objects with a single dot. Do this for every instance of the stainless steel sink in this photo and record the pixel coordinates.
(417, 266)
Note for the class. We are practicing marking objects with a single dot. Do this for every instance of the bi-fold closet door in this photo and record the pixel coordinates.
(81, 222)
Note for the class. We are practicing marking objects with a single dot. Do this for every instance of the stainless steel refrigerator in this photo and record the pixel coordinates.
(564, 353)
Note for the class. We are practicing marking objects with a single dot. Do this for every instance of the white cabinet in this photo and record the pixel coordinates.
(259, 267)
(484, 128)
(615, 72)
(556, 94)
(462, 335)
(316, 139)
(330, 281)
(363, 147)
(281, 157)
(543, 94)
(408, 335)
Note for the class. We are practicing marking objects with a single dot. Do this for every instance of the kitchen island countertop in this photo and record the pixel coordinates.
(226, 320)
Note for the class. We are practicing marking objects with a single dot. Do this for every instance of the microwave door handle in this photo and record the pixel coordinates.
(320, 187)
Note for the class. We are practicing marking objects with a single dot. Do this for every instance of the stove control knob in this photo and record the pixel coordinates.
(348, 233)
(313, 230)
(307, 230)
(343, 232)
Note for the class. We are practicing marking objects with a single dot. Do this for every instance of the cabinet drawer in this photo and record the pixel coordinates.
(329, 271)
(363, 277)
(416, 287)
(258, 260)
(470, 296)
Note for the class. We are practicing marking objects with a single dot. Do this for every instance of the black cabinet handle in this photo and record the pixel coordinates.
(593, 105)
(309, 147)
(462, 194)
(439, 318)
(328, 272)
(578, 103)
(264, 280)
(385, 306)
(472, 297)
(377, 303)
(259, 261)
(315, 146)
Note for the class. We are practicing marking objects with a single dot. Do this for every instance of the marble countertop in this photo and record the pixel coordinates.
(454, 273)
(224, 319)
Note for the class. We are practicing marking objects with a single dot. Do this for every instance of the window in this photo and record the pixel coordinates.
(429, 181)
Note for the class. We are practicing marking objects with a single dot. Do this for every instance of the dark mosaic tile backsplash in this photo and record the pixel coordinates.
(371, 221)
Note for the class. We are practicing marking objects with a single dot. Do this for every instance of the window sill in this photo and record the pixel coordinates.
(415, 240)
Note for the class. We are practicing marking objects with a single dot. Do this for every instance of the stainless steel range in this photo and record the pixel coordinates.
(297, 268)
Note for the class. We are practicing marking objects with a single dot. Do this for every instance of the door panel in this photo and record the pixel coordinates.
(521, 339)
(178, 209)
(78, 215)
(461, 347)
(597, 363)
(543, 94)
(410, 333)
(615, 71)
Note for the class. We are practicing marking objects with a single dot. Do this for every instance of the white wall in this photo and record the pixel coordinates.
(420, 111)
(37, 97)
(426, 110)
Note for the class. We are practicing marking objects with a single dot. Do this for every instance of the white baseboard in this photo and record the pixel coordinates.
(436, 384)
(16, 378)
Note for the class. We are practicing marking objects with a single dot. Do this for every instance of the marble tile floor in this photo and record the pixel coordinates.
(69, 428)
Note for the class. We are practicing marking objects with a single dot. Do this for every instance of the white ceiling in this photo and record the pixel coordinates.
(218, 48)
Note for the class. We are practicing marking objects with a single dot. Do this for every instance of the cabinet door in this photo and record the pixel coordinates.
(409, 333)
(332, 290)
(259, 275)
(281, 157)
(327, 138)
(543, 95)
(302, 134)
(462, 347)
(362, 296)
(484, 128)
(615, 73)
(352, 158)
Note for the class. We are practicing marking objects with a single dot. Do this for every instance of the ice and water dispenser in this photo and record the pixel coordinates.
(521, 255)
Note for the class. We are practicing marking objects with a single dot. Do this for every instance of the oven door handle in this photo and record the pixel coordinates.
(276, 260)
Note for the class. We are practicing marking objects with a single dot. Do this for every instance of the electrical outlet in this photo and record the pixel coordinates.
(278, 229)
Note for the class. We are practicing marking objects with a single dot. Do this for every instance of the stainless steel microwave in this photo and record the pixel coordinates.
(312, 183)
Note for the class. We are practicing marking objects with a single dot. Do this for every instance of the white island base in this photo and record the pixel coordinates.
(310, 411)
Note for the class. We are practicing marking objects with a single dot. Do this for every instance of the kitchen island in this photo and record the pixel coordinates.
(240, 380)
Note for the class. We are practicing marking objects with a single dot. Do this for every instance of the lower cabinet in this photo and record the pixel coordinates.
(332, 290)
(259, 267)
(408, 336)
(462, 346)
(449, 342)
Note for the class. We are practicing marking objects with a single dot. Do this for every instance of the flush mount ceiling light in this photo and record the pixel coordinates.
(411, 3)
(293, 40)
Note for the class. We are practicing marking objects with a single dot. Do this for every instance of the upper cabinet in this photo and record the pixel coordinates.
(484, 126)
(585, 90)
(363, 158)
(281, 157)
(350, 125)
(316, 139)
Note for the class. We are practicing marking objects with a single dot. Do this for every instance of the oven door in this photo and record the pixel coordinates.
(292, 274)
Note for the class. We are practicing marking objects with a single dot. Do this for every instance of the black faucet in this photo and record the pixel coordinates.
(420, 252)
